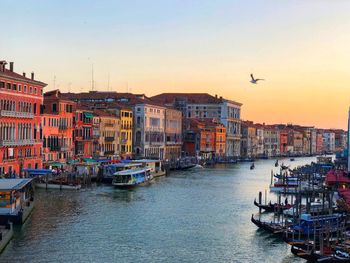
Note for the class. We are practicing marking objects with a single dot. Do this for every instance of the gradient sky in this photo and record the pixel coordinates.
(302, 48)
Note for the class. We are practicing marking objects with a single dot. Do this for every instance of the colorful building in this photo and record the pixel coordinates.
(57, 123)
(205, 106)
(173, 134)
(109, 133)
(21, 101)
(83, 141)
(126, 133)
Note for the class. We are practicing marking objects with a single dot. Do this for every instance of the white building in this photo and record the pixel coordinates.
(205, 106)
(149, 130)
(329, 141)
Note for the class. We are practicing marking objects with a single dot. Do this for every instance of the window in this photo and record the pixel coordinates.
(19, 87)
(35, 91)
(30, 90)
(14, 86)
(54, 107)
(41, 92)
(2, 85)
(8, 85)
(25, 89)
(44, 121)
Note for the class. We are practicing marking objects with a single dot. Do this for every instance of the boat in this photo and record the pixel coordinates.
(271, 227)
(110, 169)
(316, 208)
(156, 166)
(132, 177)
(16, 199)
(292, 159)
(272, 207)
(309, 224)
(252, 166)
(58, 186)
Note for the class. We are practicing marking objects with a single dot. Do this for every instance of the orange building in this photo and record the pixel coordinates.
(283, 142)
(83, 138)
(20, 131)
(57, 122)
(205, 138)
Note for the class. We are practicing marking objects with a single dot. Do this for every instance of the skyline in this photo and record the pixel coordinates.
(301, 49)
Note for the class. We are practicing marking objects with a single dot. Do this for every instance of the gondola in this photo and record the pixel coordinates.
(252, 166)
(272, 207)
(273, 228)
(316, 257)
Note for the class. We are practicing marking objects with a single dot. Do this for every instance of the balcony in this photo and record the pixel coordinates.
(109, 139)
(15, 114)
(109, 152)
(16, 142)
(109, 125)
(64, 148)
(62, 127)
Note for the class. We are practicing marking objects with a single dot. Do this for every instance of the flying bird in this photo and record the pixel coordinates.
(254, 81)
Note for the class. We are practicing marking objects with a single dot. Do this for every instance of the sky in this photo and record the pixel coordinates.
(301, 48)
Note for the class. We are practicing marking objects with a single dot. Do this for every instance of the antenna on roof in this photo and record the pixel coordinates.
(108, 88)
(92, 77)
(54, 82)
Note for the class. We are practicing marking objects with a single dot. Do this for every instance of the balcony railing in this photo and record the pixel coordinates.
(16, 142)
(109, 139)
(64, 148)
(109, 125)
(16, 114)
(63, 127)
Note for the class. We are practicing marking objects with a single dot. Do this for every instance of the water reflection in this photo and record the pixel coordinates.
(190, 216)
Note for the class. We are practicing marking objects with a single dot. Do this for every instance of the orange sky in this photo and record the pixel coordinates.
(301, 47)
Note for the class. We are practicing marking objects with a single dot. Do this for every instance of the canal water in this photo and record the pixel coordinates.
(199, 215)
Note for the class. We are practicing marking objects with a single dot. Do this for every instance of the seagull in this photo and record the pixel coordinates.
(254, 81)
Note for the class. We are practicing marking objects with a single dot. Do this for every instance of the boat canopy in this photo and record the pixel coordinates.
(131, 171)
(146, 161)
(37, 171)
(13, 184)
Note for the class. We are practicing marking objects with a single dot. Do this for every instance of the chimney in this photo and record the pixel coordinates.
(2, 65)
(11, 66)
(32, 75)
(216, 96)
(24, 74)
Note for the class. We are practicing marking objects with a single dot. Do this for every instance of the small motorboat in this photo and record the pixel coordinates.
(252, 166)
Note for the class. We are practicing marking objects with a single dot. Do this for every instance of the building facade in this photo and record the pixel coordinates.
(149, 131)
(83, 141)
(57, 123)
(173, 134)
(21, 101)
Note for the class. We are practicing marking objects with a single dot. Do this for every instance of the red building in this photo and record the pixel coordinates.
(83, 138)
(204, 137)
(57, 122)
(319, 142)
(283, 142)
(20, 129)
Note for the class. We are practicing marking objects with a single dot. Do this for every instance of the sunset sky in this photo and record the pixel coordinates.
(302, 48)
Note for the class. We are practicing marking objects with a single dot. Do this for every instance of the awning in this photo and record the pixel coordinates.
(72, 161)
(88, 115)
(56, 164)
(89, 160)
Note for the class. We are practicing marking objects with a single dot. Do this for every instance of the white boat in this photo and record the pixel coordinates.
(58, 186)
(132, 177)
(155, 166)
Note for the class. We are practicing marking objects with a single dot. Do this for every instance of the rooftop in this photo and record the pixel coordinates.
(13, 184)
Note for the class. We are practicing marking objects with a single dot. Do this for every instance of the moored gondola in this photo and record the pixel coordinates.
(272, 207)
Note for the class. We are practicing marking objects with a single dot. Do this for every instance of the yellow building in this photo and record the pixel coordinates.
(126, 124)
(107, 134)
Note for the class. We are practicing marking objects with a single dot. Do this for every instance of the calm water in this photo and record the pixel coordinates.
(201, 215)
